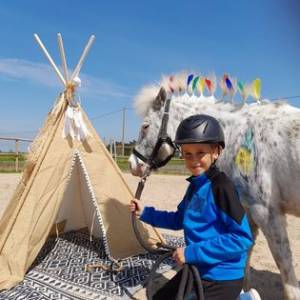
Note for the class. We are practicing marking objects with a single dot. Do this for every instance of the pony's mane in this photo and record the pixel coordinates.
(192, 85)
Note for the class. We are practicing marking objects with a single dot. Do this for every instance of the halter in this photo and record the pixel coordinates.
(153, 161)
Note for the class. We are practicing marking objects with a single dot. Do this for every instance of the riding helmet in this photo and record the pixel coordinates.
(200, 129)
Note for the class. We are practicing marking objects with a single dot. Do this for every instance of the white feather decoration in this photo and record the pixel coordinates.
(74, 125)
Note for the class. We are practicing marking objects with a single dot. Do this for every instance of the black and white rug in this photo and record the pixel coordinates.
(59, 271)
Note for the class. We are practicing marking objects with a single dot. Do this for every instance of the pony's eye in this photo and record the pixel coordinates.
(145, 126)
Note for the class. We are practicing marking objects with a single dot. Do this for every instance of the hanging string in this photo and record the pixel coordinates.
(92, 227)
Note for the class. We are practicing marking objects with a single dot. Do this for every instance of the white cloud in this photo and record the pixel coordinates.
(20, 69)
(26, 70)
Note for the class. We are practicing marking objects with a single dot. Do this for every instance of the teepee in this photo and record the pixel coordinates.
(70, 182)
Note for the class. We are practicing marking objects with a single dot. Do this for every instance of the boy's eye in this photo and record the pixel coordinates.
(197, 155)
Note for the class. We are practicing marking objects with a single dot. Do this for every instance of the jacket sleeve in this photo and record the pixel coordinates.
(164, 219)
(236, 236)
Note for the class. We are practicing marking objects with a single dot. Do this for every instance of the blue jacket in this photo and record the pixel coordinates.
(216, 229)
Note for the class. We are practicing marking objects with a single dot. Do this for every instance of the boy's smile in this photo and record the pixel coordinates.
(199, 157)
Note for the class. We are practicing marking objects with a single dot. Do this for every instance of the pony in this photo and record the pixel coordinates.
(262, 157)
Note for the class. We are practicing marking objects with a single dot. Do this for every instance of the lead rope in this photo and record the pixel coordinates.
(56, 231)
(190, 275)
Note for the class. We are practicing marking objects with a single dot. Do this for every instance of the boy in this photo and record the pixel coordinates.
(216, 230)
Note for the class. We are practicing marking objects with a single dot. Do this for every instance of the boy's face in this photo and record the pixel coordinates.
(199, 157)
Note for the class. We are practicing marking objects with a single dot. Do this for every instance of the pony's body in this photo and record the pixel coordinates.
(261, 156)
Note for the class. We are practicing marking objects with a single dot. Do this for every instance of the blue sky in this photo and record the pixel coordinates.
(136, 42)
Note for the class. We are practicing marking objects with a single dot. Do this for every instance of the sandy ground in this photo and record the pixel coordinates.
(165, 192)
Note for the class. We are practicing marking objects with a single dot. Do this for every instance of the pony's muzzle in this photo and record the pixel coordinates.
(138, 167)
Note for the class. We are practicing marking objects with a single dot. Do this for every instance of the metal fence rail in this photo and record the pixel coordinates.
(15, 161)
(18, 165)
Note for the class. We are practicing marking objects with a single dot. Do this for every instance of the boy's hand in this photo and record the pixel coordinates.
(136, 206)
(178, 255)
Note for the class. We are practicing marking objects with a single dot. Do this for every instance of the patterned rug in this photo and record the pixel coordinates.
(59, 271)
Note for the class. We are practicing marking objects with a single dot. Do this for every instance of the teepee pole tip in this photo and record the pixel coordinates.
(51, 61)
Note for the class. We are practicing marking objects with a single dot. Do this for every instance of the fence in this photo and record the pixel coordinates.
(117, 151)
(175, 166)
(13, 161)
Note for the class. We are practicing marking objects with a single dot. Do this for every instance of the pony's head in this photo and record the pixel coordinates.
(162, 107)
(154, 147)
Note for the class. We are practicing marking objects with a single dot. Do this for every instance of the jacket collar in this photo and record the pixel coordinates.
(202, 178)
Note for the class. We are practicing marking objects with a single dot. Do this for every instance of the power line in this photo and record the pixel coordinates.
(22, 132)
(107, 114)
(129, 108)
(110, 113)
(283, 98)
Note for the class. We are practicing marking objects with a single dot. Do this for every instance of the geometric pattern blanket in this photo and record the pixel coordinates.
(59, 271)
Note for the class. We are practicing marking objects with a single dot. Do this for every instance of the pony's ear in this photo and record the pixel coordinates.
(160, 99)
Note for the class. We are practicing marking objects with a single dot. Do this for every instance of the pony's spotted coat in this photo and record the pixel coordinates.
(262, 156)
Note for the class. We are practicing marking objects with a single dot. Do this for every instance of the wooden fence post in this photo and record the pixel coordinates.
(17, 155)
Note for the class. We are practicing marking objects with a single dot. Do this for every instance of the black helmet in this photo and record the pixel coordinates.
(200, 129)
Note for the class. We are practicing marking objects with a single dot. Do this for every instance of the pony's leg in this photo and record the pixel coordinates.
(254, 229)
(273, 224)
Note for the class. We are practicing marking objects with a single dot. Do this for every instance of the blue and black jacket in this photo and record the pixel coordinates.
(216, 230)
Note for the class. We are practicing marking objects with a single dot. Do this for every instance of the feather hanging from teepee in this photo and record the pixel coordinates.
(74, 125)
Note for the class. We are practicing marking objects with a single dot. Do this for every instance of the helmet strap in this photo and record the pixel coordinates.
(219, 153)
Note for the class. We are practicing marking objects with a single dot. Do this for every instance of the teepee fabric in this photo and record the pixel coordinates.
(71, 182)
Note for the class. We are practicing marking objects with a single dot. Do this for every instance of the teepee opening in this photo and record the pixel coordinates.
(78, 209)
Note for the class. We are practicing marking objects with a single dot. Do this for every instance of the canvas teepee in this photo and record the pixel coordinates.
(70, 182)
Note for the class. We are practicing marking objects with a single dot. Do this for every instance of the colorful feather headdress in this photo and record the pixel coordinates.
(200, 85)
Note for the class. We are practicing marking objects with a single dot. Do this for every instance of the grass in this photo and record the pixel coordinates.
(7, 164)
(10, 171)
(7, 157)
(175, 166)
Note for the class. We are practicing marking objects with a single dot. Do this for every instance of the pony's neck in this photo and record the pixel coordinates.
(186, 105)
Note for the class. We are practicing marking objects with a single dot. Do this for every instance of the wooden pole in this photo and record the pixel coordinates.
(110, 148)
(63, 56)
(115, 150)
(17, 155)
(51, 61)
(123, 132)
(82, 58)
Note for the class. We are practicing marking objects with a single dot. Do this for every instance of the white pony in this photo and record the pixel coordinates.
(262, 156)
